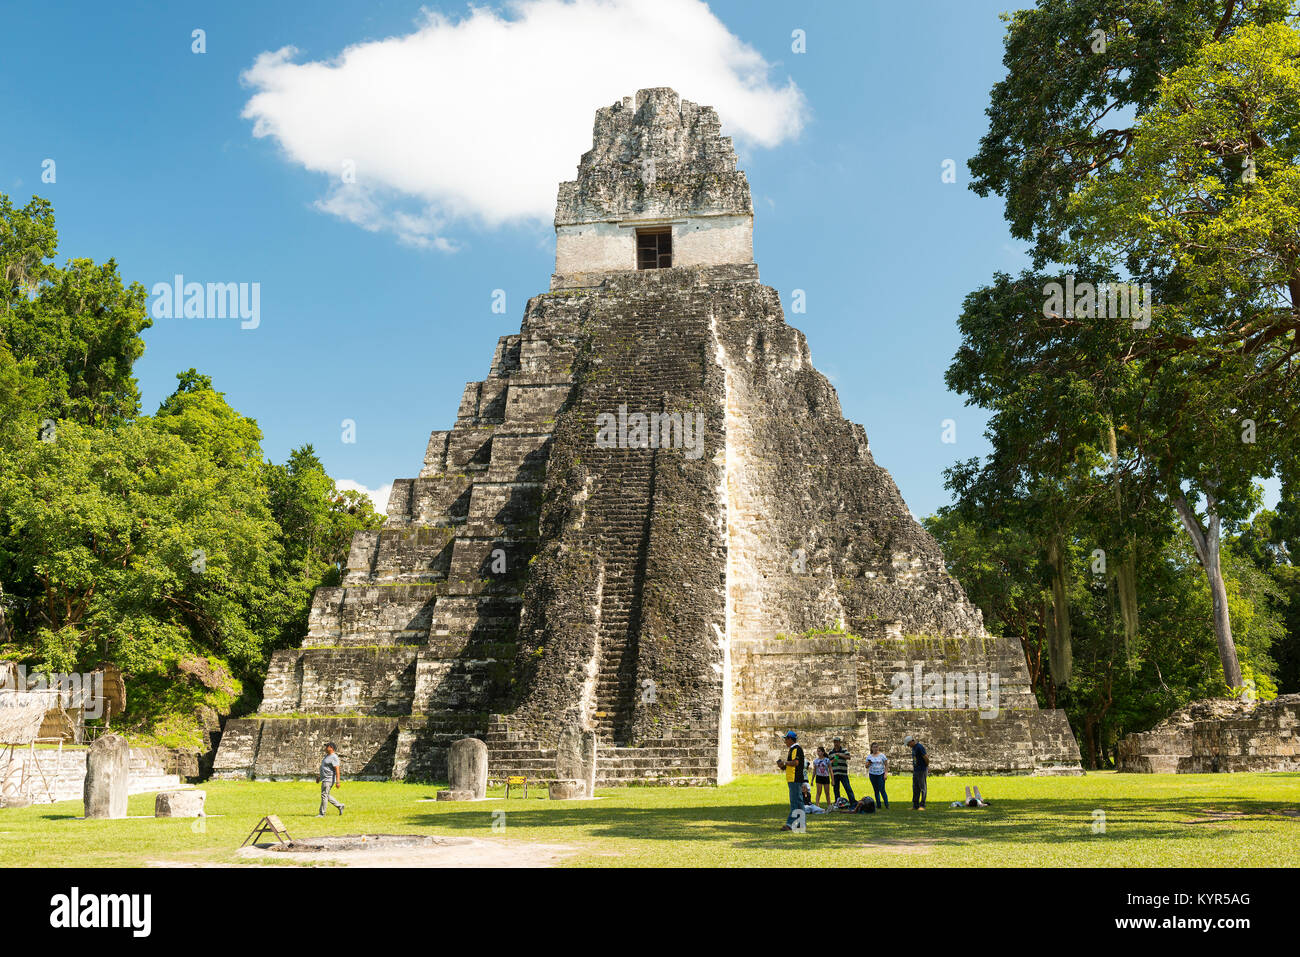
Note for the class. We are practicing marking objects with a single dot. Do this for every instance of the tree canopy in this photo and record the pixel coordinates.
(165, 544)
(1142, 376)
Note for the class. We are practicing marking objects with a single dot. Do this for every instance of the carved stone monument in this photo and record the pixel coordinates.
(108, 777)
(467, 771)
(575, 759)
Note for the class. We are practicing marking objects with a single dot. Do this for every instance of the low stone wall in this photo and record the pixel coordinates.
(1268, 739)
(292, 748)
(832, 685)
(373, 748)
(65, 772)
(1218, 735)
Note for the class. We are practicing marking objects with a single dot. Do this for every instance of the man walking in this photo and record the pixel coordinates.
(793, 765)
(920, 768)
(840, 770)
(330, 777)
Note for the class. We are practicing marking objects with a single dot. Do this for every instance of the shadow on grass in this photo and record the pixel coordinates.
(1014, 821)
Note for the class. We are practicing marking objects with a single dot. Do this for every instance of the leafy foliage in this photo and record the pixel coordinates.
(164, 544)
(1146, 145)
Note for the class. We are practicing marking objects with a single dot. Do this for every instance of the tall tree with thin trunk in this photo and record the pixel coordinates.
(1156, 142)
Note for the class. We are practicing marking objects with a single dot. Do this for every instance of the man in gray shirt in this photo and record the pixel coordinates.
(330, 777)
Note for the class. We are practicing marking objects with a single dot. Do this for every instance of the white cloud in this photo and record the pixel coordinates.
(377, 495)
(478, 119)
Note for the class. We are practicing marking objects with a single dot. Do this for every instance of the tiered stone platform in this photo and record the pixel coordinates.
(644, 583)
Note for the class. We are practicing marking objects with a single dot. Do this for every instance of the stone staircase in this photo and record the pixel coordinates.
(624, 542)
(423, 628)
(667, 762)
(682, 763)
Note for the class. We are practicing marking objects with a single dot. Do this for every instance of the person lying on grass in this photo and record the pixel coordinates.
(865, 806)
(975, 800)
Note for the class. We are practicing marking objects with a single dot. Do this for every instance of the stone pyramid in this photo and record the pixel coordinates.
(650, 520)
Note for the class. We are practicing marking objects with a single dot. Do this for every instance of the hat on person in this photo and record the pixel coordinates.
(837, 738)
(908, 739)
(791, 736)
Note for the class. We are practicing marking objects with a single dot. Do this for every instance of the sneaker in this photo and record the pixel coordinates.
(786, 827)
(341, 807)
(321, 814)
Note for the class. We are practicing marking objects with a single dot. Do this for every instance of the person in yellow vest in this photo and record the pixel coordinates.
(793, 766)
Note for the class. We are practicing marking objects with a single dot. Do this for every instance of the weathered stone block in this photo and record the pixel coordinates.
(108, 777)
(575, 758)
(455, 794)
(188, 803)
(567, 790)
(467, 767)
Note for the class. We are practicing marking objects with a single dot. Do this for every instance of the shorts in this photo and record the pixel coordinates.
(823, 779)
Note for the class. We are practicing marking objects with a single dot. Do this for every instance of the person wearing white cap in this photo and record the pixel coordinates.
(920, 767)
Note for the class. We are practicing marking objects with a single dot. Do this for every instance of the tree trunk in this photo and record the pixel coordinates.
(1126, 567)
(1044, 674)
(1062, 660)
(1090, 741)
(1126, 592)
(1206, 542)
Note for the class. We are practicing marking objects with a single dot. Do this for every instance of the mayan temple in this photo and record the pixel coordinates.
(651, 521)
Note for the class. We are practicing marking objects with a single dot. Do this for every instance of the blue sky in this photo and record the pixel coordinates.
(156, 167)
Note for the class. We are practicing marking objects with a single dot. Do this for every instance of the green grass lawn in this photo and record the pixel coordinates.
(1225, 820)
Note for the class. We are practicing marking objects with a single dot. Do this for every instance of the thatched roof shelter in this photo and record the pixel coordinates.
(21, 715)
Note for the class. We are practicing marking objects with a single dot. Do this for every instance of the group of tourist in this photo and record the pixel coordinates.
(830, 771)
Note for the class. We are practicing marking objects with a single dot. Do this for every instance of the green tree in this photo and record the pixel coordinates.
(317, 522)
(1195, 194)
(1066, 108)
(164, 543)
(78, 326)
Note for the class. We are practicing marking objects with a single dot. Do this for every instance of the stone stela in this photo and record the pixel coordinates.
(529, 585)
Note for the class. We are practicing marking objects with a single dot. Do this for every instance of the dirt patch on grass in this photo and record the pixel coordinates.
(410, 850)
(1216, 816)
(922, 846)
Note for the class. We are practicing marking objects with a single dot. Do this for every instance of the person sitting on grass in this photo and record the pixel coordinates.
(809, 805)
(822, 775)
(972, 800)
